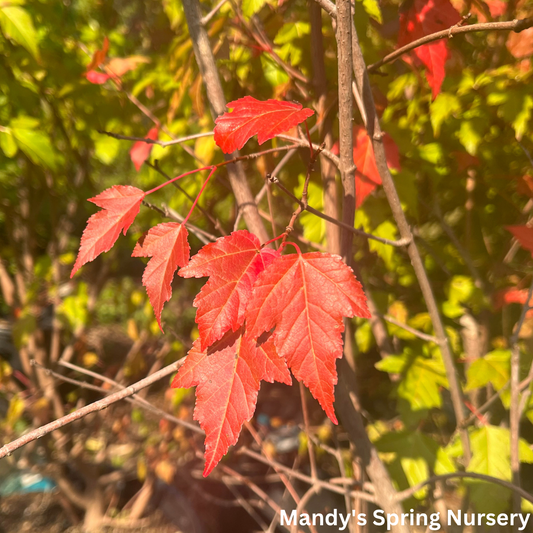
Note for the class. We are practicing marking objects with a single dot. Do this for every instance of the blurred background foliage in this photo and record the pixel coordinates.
(466, 173)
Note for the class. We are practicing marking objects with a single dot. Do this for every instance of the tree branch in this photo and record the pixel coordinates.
(376, 135)
(94, 407)
(514, 25)
(404, 495)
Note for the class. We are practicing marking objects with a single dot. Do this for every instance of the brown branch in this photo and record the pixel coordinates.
(514, 25)
(376, 136)
(307, 479)
(514, 410)
(405, 494)
(416, 332)
(94, 407)
(208, 69)
(316, 212)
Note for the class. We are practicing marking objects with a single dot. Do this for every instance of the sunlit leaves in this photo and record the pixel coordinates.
(423, 18)
(233, 264)
(17, 24)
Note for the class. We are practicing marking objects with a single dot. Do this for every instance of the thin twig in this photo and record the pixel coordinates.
(37, 433)
(205, 20)
(514, 25)
(514, 410)
(405, 494)
(306, 479)
(416, 332)
(398, 243)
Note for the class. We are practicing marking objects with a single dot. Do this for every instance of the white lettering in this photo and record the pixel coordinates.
(320, 516)
(392, 520)
(503, 519)
(524, 522)
(287, 521)
(361, 519)
(434, 524)
(490, 519)
(456, 519)
(379, 515)
(333, 516)
(344, 523)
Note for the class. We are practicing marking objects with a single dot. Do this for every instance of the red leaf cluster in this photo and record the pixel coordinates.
(252, 291)
(423, 18)
(260, 313)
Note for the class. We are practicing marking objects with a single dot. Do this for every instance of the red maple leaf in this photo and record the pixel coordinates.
(96, 77)
(509, 295)
(120, 205)
(253, 117)
(167, 245)
(423, 18)
(524, 235)
(232, 264)
(228, 376)
(367, 177)
(305, 297)
(140, 150)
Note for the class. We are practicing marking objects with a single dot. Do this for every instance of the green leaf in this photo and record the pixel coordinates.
(441, 108)
(386, 230)
(432, 153)
(420, 386)
(7, 143)
(521, 121)
(470, 136)
(35, 144)
(417, 454)
(291, 31)
(364, 337)
(274, 74)
(373, 10)
(494, 368)
(16, 24)
(460, 289)
(393, 364)
(251, 7)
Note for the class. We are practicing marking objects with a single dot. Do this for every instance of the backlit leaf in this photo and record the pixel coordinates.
(167, 245)
(120, 205)
(250, 117)
(227, 378)
(305, 297)
(232, 264)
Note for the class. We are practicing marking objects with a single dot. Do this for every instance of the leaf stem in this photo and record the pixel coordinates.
(213, 169)
(176, 179)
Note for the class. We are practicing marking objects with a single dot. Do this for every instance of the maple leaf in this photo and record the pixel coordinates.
(423, 18)
(227, 376)
(232, 264)
(250, 117)
(305, 297)
(99, 56)
(367, 177)
(140, 150)
(524, 235)
(120, 205)
(169, 249)
(98, 78)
